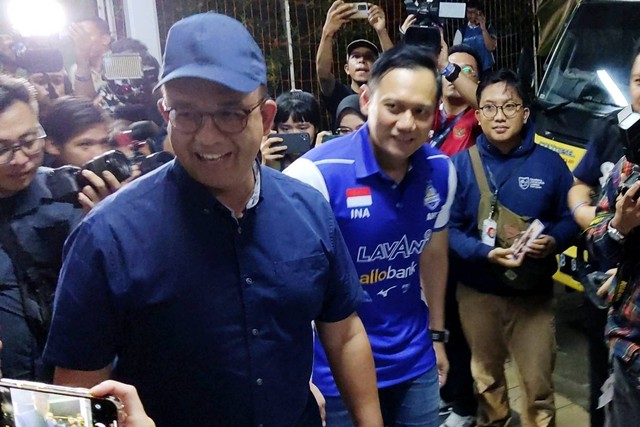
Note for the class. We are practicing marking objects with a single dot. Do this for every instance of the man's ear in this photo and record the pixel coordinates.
(346, 68)
(365, 98)
(268, 112)
(527, 112)
(163, 111)
(51, 148)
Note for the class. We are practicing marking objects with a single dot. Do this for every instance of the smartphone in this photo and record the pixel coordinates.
(326, 138)
(297, 143)
(362, 10)
(122, 66)
(27, 404)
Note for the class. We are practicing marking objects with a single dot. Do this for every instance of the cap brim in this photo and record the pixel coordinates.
(214, 74)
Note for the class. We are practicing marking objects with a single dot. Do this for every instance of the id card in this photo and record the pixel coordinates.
(489, 229)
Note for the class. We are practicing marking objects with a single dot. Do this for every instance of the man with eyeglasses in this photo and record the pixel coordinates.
(198, 283)
(32, 232)
(502, 318)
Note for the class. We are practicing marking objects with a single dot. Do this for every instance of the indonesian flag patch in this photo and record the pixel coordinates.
(359, 197)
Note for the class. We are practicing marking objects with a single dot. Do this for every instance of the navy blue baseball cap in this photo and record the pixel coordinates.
(213, 47)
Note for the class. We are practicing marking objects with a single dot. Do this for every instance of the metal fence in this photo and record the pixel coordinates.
(513, 20)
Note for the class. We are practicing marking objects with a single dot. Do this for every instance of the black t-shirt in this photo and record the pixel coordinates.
(603, 151)
(331, 102)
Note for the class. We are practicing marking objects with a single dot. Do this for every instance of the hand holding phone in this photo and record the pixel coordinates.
(362, 10)
(296, 143)
(27, 403)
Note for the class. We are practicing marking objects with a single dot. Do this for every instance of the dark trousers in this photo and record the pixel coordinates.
(595, 322)
(624, 410)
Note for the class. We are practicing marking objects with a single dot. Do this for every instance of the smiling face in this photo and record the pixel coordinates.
(359, 64)
(221, 161)
(18, 122)
(400, 109)
(500, 130)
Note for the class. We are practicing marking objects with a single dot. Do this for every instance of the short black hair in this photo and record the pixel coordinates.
(14, 89)
(475, 4)
(465, 48)
(636, 51)
(503, 76)
(300, 106)
(100, 24)
(69, 116)
(406, 56)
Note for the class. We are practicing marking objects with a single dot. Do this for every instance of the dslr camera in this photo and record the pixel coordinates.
(426, 30)
(67, 181)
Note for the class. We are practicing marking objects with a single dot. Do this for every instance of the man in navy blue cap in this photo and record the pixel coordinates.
(200, 282)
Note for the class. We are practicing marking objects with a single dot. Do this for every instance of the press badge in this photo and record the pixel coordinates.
(489, 232)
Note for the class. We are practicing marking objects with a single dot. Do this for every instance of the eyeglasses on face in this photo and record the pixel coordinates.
(509, 110)
(30, 145)
(227, 121)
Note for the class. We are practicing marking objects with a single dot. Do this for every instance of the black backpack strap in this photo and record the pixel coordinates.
(35, 293)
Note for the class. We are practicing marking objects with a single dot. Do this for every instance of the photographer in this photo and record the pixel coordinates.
(91, 39)
(605, 148)
(32, 231)
(478, 34)
(360, 53)
(614, 241)
(298, 112)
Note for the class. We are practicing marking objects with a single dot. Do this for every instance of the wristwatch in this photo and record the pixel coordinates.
(439, 336)
(615, 234)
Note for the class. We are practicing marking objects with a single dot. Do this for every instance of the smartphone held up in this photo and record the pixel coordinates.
(28, 404)
(362, 10)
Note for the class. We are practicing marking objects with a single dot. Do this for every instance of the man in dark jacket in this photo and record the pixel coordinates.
(500, 317)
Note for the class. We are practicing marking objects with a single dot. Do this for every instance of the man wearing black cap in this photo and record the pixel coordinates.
(199, 283)
(360, 53)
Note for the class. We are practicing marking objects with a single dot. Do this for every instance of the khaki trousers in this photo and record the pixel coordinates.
(497, 327)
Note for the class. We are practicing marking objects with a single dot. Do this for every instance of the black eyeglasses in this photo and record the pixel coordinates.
(29, 145)
(509, 110)
(227, 121)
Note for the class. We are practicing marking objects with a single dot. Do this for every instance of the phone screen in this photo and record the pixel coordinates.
(27, 408)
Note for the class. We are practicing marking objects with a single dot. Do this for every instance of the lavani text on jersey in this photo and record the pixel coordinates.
(390, 251)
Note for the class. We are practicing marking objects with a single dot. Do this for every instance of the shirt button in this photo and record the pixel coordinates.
(206, 211)
(248, 281)
(254, 332)
(259, 381)
(394, 186)
(398, 205)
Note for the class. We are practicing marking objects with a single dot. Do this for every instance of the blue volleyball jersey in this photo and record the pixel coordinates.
(386, 225)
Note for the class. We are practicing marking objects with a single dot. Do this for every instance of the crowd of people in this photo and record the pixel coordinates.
(368, 279)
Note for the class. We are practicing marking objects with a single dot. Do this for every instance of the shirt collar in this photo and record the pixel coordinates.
(365, 160)
(31, 197)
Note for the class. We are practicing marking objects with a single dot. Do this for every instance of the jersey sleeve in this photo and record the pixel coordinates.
(443, 217)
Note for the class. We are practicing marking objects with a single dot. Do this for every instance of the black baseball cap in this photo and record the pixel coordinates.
(362, 43)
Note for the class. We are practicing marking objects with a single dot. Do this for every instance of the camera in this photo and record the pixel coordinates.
(426, 30)
(130, 78)
(67, 181)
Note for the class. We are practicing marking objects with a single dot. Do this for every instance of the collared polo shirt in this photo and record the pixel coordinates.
(209, 316)
(386, 226)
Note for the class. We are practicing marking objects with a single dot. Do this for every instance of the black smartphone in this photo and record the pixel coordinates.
(326, 138)
(297, 143)
(27, 403)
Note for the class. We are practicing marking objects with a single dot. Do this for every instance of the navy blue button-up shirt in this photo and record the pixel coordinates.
(208, 316)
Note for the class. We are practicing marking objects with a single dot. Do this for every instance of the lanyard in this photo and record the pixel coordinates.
(438, 139)
(494, 196)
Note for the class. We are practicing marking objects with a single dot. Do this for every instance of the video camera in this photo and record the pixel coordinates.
(67, 181)
(130, 78)
(426, 30)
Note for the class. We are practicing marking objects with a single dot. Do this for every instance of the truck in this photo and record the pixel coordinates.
(586, 78)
